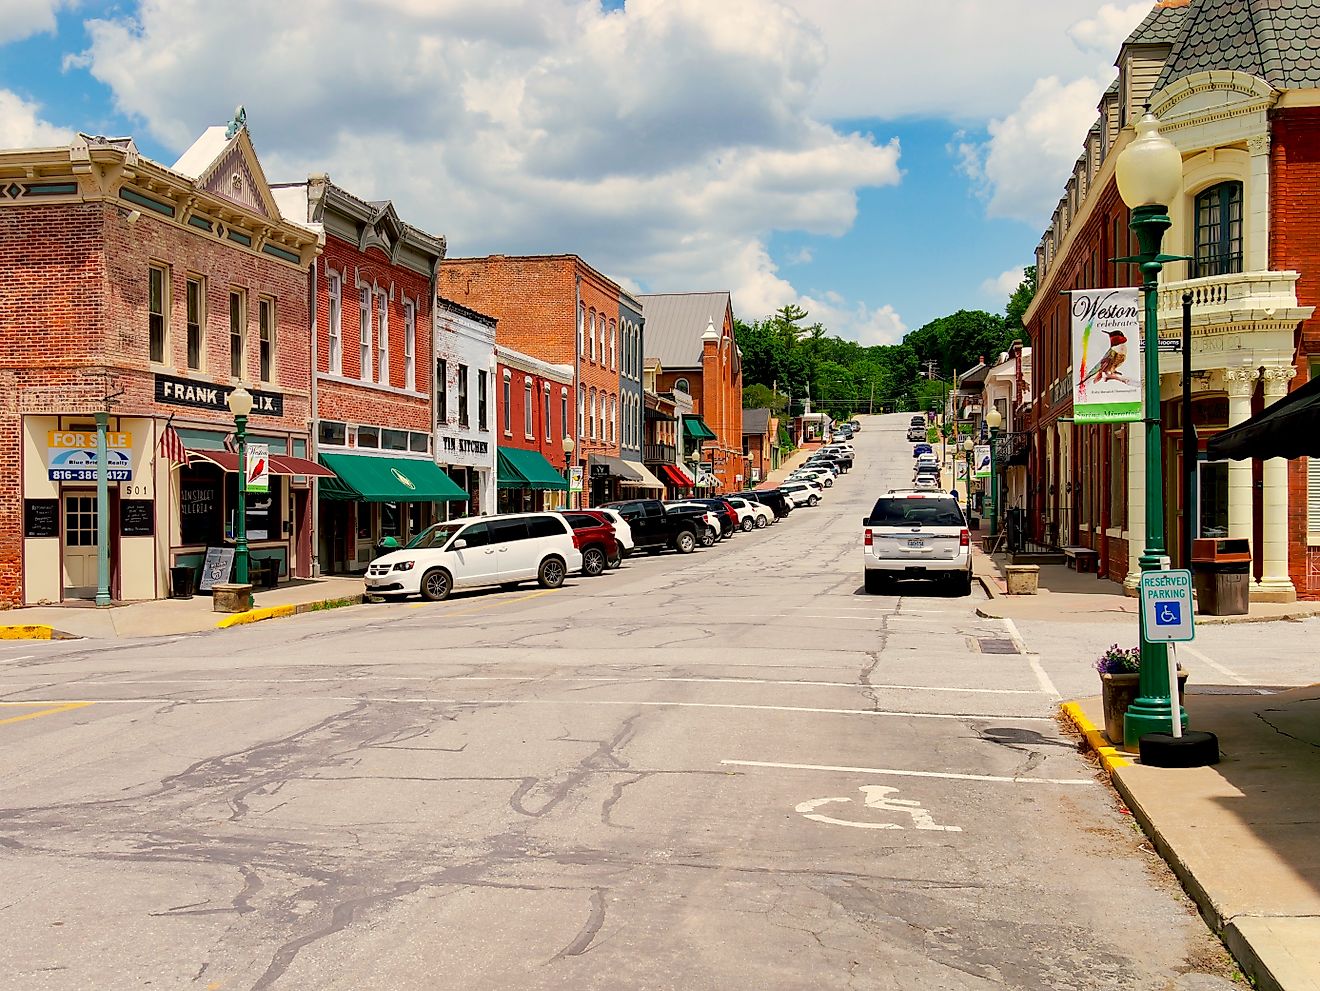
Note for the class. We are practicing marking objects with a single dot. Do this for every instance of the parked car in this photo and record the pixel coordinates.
(722, 508)
(916, 535)
(621, 528)
(921, 449)
(760, 516)
(802, 493)
(856, 425)
(778, 503)
(827, 461)
(928, 458)
(822, 477)
(468, 553)
(654, 529)
(926, 481)
(715, 523)
(596, 540)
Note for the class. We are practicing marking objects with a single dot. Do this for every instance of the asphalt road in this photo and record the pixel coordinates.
(728, 770)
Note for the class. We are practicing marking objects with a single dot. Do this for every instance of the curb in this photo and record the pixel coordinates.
(1111, 757)
(277, 612)
(33, 631)
(1231, 620)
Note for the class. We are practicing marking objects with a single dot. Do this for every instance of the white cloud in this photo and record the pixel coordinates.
(22, 18)
(858, 322)
(1003, 285)
(22, 127)
(665, 142)
(1109, 28)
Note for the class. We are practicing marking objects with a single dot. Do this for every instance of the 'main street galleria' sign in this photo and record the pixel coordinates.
(204, 395)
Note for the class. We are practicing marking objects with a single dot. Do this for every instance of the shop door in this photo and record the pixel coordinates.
(80, 546)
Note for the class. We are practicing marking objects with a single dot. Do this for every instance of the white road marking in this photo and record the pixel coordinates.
(1014, 635)
(585, 680)
(877, 798)
(898, 773)
(1042, 679)
(21, 657)
(1226, 672)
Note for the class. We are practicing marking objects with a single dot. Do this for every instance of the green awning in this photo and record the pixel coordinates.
(694, 428)
(377, 479)
(520, 469)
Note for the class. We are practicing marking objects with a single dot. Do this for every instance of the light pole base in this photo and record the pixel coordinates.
(1148, 715)
(1194, 749)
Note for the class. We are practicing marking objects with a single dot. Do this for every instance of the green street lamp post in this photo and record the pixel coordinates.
(1149, 174)
(568, 447)
(969, 448)
(240, 404)
(992, 420)
(102, 511)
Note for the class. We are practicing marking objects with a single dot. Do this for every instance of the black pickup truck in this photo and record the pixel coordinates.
(654, 528)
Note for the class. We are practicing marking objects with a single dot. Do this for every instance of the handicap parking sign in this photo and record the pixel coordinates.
(1166, 605)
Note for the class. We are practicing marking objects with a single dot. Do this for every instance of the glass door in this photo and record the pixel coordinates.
(80, 545)
(1212, 499)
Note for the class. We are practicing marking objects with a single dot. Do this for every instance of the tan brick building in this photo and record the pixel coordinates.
(146, 292)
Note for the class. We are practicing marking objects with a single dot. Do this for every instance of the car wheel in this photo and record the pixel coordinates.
(436, 585)
(685, 542)
(708, 537)
(875, 582)
(748, 524)
(617, 560)
(761, 523)
(593, 562)
(813, 500)
(552, 572)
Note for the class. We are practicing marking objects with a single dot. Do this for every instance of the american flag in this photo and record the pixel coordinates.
(171, 447)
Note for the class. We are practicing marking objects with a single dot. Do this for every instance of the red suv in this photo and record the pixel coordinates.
(593, 535)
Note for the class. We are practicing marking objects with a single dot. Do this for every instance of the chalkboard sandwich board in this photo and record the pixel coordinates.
(137, 518)
(41, 517)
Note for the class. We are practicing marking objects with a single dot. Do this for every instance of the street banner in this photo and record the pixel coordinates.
(258, 468)
(981, 459)
(1106, 370)
(575, 478)
(959, 469)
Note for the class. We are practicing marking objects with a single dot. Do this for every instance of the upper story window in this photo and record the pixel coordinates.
(463, 419)
(614, 354)
(1218, 230)
(529, 408)
(336, 329)
(582, 325)
(563, 411)
(331, 433)
(383, 335)
(482, 388)
(441, 392)
(196, 320)
(409, 344)
(266, 338)
(603, 335)
(158, 281)
(364, 333)
(237, 318)
(681, 385)
(508, 402)
(591, 332)
(582, 410)
(548, 413)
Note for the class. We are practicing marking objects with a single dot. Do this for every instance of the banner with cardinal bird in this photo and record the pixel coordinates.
(1106, 353)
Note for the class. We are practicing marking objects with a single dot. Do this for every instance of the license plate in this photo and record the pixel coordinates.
(916, 543)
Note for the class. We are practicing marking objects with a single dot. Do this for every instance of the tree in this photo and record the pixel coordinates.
(1018, 304)
(758, 396)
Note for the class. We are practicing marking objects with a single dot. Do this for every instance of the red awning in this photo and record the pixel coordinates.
(280, 464)
(676, 476)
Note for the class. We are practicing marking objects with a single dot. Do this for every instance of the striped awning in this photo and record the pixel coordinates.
(280, 464)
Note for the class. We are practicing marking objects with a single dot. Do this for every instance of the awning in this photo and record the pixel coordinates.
(694, 428)
(1286, 429)
(676, 477)
(519, 469)
(280, 464)
(378, 479)
(648, 481)
(615, 466)
(656, 416)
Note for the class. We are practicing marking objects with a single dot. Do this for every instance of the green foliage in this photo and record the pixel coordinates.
(758, 396)
(957, 342)
(1018, 303)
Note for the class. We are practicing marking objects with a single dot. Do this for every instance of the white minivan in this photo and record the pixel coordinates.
(490, 550)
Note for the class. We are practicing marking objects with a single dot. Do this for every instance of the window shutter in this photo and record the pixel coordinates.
(1313, 495)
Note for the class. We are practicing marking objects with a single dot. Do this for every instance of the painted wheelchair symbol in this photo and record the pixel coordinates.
(877, 797)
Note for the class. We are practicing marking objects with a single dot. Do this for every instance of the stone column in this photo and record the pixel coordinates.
(1256, 209)
(1240, 382)
(1275, 583)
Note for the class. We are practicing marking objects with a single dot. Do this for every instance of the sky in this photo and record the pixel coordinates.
(879, 163)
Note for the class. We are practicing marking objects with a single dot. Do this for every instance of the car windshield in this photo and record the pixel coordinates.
(900, 511)
(437, 535)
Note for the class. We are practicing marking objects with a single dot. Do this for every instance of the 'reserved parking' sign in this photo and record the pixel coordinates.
(1166, 606)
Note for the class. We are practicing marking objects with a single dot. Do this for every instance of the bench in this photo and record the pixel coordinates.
(1083, 560)
(264, 571)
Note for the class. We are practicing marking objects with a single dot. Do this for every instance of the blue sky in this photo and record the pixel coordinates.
(879, 163)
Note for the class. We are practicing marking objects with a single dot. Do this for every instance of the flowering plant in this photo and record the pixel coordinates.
(1117, 660)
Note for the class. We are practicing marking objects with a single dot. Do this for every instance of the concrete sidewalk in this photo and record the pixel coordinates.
(1087, 598)
(165, 617)
(1241, 836)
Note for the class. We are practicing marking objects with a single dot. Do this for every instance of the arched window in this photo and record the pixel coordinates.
(1218, 230)
(591, 327)
(582, 421)
(529, 408)
(614, 433)
(614, 354)
(582, 327)
(603, 333)
(591, 418)
(681, 385)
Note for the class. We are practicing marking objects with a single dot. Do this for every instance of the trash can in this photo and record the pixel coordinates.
(1221, 575)
(181, 583)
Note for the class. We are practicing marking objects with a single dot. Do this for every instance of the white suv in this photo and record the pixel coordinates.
(491, 550)
(802, 493)
(912, 534)
(751, 514)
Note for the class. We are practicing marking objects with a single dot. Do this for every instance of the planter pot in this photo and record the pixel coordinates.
(1022, 579)
(1118, 691)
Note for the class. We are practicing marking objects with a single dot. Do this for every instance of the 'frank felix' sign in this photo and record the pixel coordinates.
(71, 456)
(205, 395)
(1166, 606)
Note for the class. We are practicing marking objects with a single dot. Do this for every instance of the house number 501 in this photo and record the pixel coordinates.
(131, 489)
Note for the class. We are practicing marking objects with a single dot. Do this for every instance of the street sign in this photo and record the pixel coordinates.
(258, 468)
(1166, 605)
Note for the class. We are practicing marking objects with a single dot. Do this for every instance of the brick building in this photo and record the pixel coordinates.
(374, 285)
(760, 443)
(534, 414)
(560, 310)
(698, 355)
(146, 292)
(1234, 87)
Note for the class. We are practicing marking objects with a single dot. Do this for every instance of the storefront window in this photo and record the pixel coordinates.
(394, 440)
(391, 520)
(368, 437)
(1212, 499)
(331, 433)
(263, 510)
(419, 443)
(201, 505)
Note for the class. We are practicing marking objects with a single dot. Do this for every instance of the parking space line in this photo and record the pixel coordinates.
(490, 605)
(896, 772)
(61, 707)
(1226, 672)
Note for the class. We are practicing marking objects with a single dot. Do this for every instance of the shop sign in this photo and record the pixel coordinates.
(600, 471)
(258, 468)
(464, 445)
(575, 479)
(174, 391)
(71, 455)
(1107, 373)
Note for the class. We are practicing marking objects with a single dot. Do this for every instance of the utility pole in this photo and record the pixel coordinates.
(872, 407)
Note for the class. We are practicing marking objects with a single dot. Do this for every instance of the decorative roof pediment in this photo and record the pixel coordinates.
(223, 163)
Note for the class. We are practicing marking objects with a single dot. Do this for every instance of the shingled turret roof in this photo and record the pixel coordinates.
(1275, 40)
